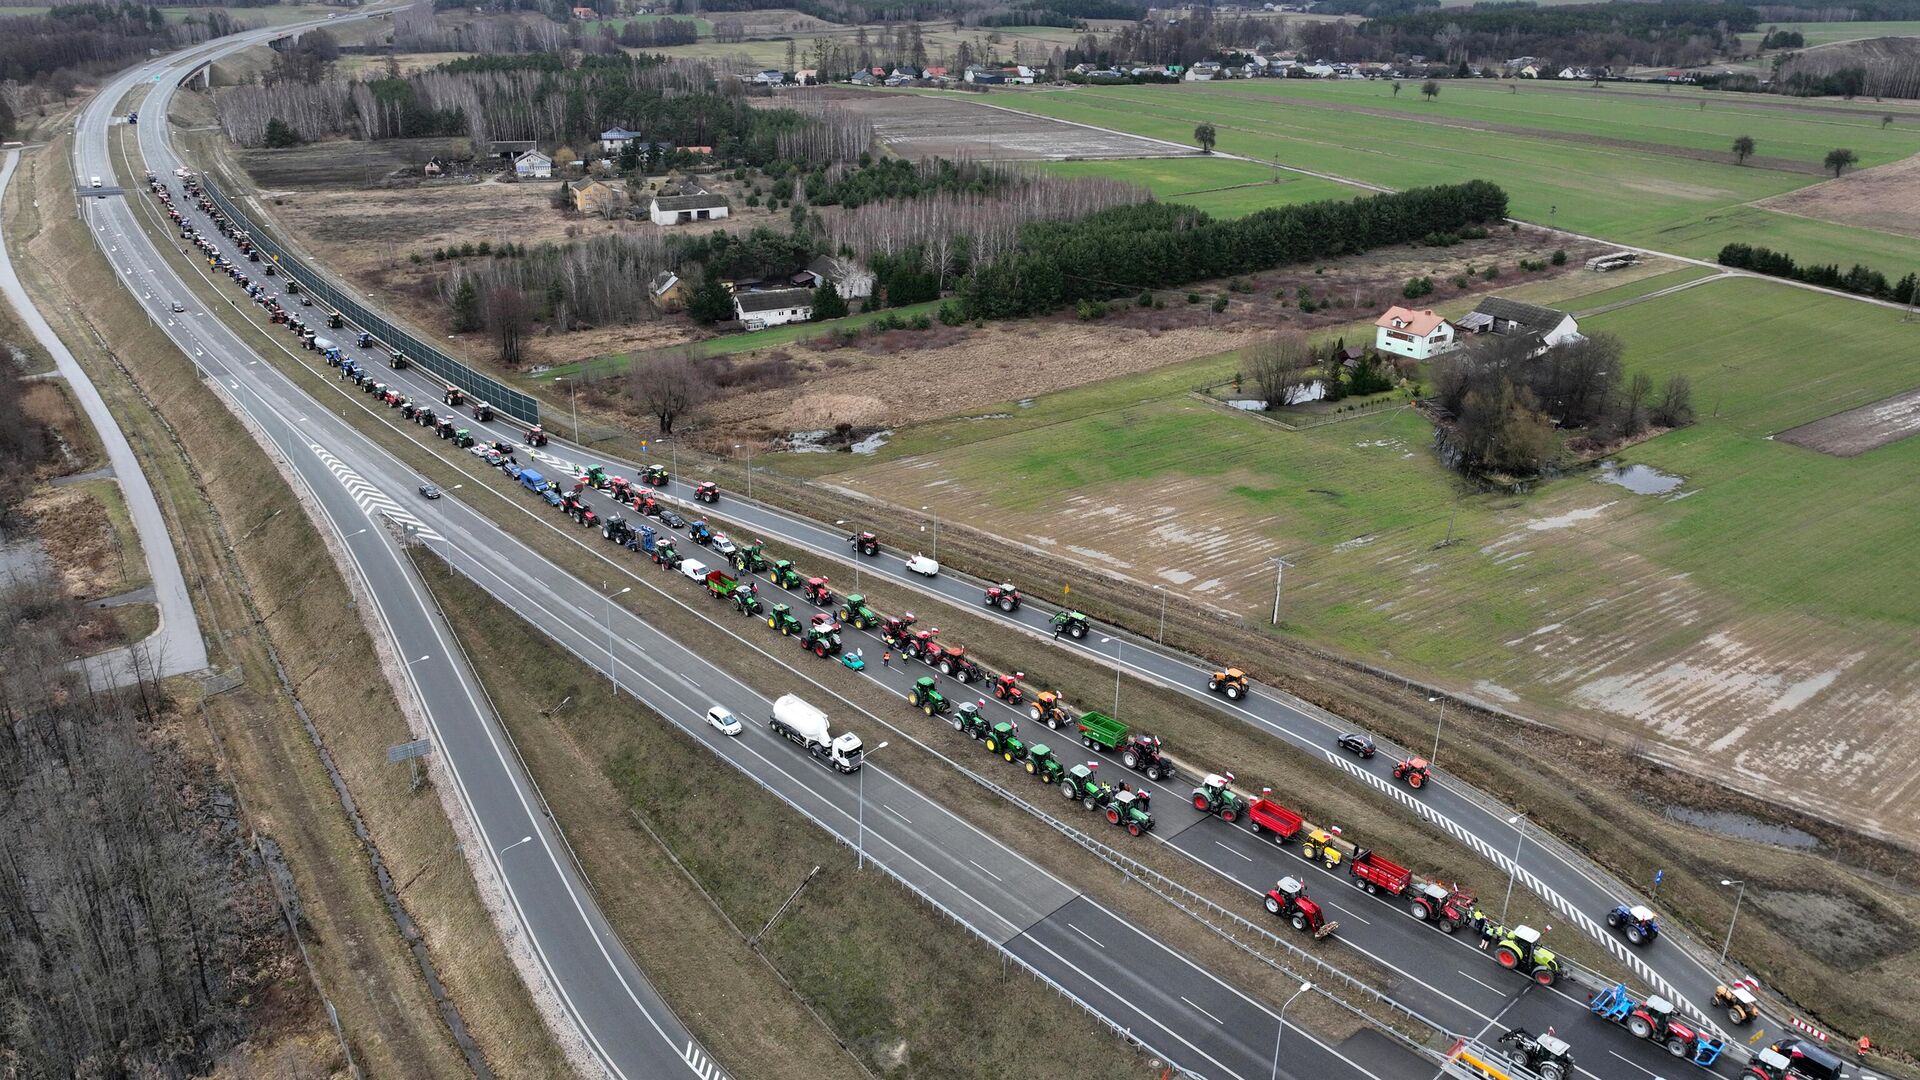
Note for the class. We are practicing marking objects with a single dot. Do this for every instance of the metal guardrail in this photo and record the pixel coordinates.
(504, 399)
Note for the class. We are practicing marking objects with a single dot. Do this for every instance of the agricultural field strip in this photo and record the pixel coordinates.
(378, 463)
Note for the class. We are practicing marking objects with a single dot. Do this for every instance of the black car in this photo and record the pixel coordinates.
(429, 491)
(672, 520)
(1357, 744)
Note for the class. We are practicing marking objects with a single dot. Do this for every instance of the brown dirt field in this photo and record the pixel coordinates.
(87, 553)
(49, 402)
(1885, 199)
(1856, 431)
(916, 125)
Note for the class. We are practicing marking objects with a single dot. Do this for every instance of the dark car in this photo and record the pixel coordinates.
(1357, 744)
(553, 497)
(429, 491)
(672, 520)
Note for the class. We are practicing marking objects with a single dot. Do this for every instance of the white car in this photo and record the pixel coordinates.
(694, 569)
(722, 546)
(722, 717)
(923, 566)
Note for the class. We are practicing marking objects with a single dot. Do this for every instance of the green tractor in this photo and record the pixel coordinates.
(1128, 809)
(1042, 765)
(1004, 740)
(463, 438)
(1519, 949)
(857, 614)
(1078, 783)
(786, 577)
(1071, 623)
(654, 476)
(746, 602)
(666, 554)
(924, 696)
(781, 618)
(822, 639)
(596, 476)
(1216, 796)
(749, 560)
(968, 720)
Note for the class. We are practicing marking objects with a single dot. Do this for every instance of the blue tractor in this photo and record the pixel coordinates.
(1637, 922)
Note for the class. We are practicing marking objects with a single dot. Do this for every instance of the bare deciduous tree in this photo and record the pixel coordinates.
(508, 318)
(1277, 366)
(667, 385)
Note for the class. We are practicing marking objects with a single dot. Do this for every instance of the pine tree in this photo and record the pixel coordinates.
(466, 306)
(709, 302)
(828, 303)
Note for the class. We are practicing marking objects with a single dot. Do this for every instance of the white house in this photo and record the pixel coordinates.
(1498, 315)
(613, 140)
(1421, 334)
(1204, 71)
(759, 310)
(533, 165)
(680, 209)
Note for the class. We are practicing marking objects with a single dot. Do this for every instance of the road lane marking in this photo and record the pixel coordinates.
(984, 870)
(1489, 986)
(1249, 858)
(1201, 1011)
(1084, 934)
(894, 812)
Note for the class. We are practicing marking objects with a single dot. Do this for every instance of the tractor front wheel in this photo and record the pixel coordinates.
(1415, 779)
(1158, 772)
(1090, 803)
(957, 725)
(1552, 1070)
(1229, 815)
(1134, 829)
(1448, 926)
(927, 708)
(1009, 756)
(1032, 770)
(992, 744)
(1200, 802)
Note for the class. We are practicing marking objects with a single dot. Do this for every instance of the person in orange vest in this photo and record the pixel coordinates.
(1865, 1047)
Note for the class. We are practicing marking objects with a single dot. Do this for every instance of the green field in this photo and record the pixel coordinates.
(1552, 168)
(1826, 33)
(602, 366)
(701, 26)
(1224, 187)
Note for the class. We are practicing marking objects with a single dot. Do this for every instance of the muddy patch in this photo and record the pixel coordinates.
(1845, 931)
(1744, 827)
(1856, 431)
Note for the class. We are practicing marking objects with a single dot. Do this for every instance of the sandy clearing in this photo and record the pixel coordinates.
(1885, 198)
(922, 126)
(1856, 431)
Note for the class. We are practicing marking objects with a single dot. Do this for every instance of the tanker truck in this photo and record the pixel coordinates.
(807, 726)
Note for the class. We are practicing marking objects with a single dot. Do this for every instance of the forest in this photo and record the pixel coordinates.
(74, 41)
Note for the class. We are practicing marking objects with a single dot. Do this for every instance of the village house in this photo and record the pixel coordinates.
(533, 165)
(597, 198)
(1421, 334)
(680, 209)
(1498, 315)
(508, 149)
(668, 291)
(614, 140)
(759, 310)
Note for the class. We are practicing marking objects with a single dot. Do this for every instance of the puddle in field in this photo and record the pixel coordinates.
(808, 442)
(992, 416)
(1024, 403)
(872, 443)
(1744, 827)
(1639, 479)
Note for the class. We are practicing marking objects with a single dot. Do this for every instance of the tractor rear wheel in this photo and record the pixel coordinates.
(1518, 1057)
(1545, 976)
(1130, 759)
(1213, 684)
(1506, 957)
(1416, 779)
(1552, 1070)
(1006, 604)
(1090, 803)
(1113, 816)
(1234, 691)
(1614, 918)
(1639, 1026)
(1066, 789)
(1636, 935)
(1037, 714)
(1420, 910)
(957, 725)
(946, 667)
(1032, 770)
(1229, 815)
(993, 744)
(1079, 631)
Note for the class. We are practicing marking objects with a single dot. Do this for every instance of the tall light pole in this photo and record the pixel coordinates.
(612, 672)
(860, 844)
(1117, 644)
(1304, 987)
(1520, 821)
(573, 399)
(928, 510)
(749, 451)
(1279, 569)
(1162, 636)
(1737, 897)
(1435, 756)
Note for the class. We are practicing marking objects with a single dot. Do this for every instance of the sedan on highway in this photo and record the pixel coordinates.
(672, 520)
(428, 491)
(722, 718)
(1357, 744)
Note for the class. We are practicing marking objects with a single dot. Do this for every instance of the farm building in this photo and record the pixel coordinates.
(533, 165)
(1498, 315)
(668, 291)
(508, 149)
(759, 310)
(1419, 334)
(596, 197)
(680, 209)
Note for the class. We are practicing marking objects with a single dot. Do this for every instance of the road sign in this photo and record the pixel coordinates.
(407, 751)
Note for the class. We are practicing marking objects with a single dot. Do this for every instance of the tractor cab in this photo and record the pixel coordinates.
(454, 397)
(1548, 1055)
(1215, 795)
(1768, 1064)
(1079, 783)
(1637, 922)
(1141, 753)
(854, 610)
(397, 361)
(1519, 949)
(968, 719)
(781, 618)
(784, 576)
(482, 412)
(893, 628)
(443, 428)
(1414, 771)
(1318, 846)
(921, 644)
(365, 340)
(1007, 687)
(1074, 624)
(707, 491)
(1450, 908)
(865, 543)
(952, 660)
(1050, 709)
(463, 438)
(666, 554)
(621, 489)
(1042, 765)
(1128, 809)
(822, 637)
(925, 696)
(1004, 740)
(746, 601)
(1739, 1002)
(816, 591)
(617, 531)
(700, 532)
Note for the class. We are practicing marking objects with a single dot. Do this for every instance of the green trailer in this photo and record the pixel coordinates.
(1100, 731)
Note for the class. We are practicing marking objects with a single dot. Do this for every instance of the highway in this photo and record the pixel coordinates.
(175, 646)
(1173, 1007)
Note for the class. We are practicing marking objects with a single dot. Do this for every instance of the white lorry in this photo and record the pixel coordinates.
(807, 726)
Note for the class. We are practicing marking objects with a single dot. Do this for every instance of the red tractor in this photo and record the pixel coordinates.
(1142, 754)
(1004, 596)
(816, 592)
(952, 660)
(1008, 689)
(921, 646)
(536, 436)
(621, 489)
(1415, 771)
(1450, 909)
(707, 491)
(894, 629)
(1288, 900)
(453, 397)
(864, 543)
(643, 501)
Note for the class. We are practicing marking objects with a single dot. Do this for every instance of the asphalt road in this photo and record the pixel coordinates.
(175, 646)
(1172, 1006)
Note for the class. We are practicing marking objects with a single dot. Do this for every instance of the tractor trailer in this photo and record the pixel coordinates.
(807, 726)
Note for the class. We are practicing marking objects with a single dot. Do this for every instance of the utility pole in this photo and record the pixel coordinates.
(1279, 571)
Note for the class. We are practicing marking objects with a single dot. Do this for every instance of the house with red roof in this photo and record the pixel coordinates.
(1421, 334)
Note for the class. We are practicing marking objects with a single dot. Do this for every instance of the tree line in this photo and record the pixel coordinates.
(1120, 251)
(1680, 33)
(1859, 280)
(74, 41)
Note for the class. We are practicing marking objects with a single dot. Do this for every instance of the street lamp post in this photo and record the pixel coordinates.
(928, 510)
(1520, 821)
(1117, 645)
(1442, 722)
(749, 451)
(1161, 637)
(1741, 884)
(1279, 569)
(856, 555)
(612, 672)
(573, 400)
(860, 844)
(1304, 987)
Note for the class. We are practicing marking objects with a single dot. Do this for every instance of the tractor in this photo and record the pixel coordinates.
(408, 410)
(583, 514)
(1519, 949)
(854, 612)
(1547, 1055)
(707, 491)
(1042, 765)
(924, 695)
(1128, 809)
(1318, 846)
(1216, 796)
(463, 438)
(1739, 1002)
(1232, 682)
(1071, 623)
(784, 576)
(1288, 900)
(1007, 687)
(453, 397)
(1142, 754)
(894, 629)
(623, 490)
(952, 660)
(968, 720)
(1414, 770)
(1769, 1064)
(864, 543)
(595, 476)
(1078, 783)
(816, 592)
(616, 530)
(700, 532)
(425, 417)
(781, 618)
(483, 412)
(921, 645)
(746, 601)
(1050, 709)
(1004, 596)
(536, 436)
(1654, 1020)
(397, 361)
(643, 501)
(1004, 740)
(1450, 909)
(654, 476)
(823, 639)
(666, 554)
(748, 560)
(1637, 922)
(443, 427)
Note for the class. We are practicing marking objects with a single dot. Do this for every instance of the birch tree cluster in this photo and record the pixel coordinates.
(954, 229)
(597, 282)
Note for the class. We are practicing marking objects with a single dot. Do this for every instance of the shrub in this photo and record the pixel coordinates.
(1193, 298)
(1145, 299)
(484, 247)
(1460, 280)
(921, 322)
(1416, 287)
(1091, 309)
(1219, 304)
(951, 314)
(1491, 272)
(1239, 285)
(1560, 257)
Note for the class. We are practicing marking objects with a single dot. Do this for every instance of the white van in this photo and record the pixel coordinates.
(96, 182)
